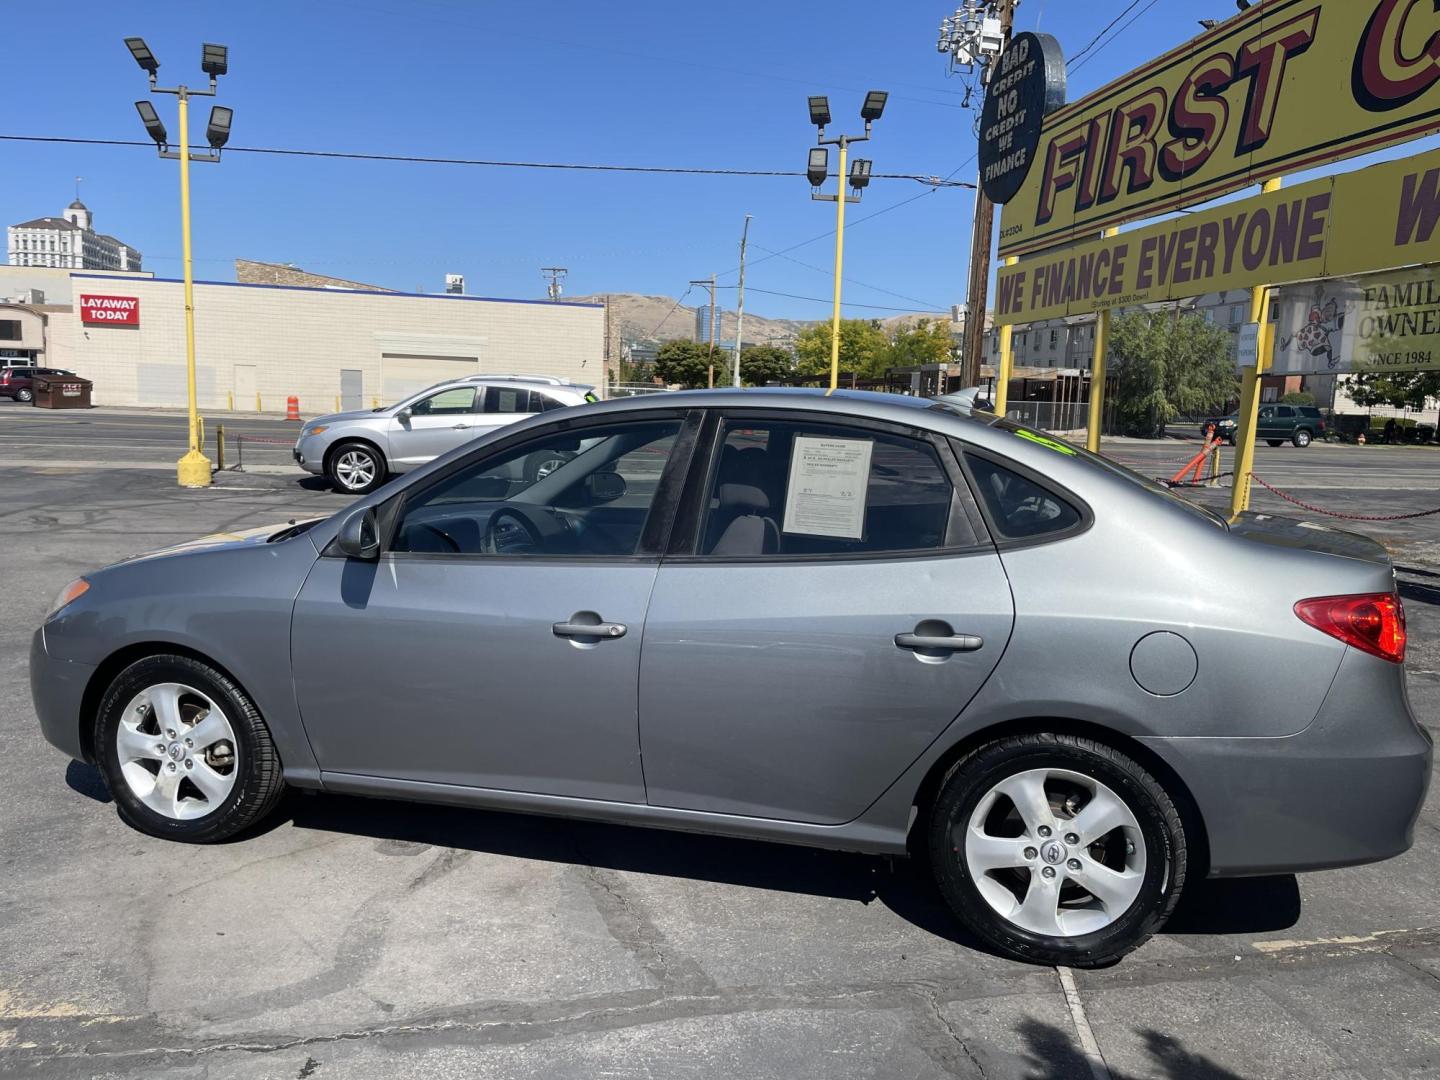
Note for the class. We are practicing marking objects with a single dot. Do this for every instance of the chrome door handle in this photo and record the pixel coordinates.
(460, 427)
(589, 630)
(953, 643)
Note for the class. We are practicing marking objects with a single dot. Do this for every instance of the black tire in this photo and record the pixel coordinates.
(1230, 438)
(1275, 442)
(1301, 438)
(257, 788)
(543, 462)
(974, 775)
(337, 473)
(24, 395)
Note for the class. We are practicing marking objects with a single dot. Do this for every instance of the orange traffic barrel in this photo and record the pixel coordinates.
(292, 408)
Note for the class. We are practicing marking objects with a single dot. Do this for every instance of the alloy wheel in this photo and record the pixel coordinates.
(355, 469)
(177, 751)
(1054, 852)
(546, 467)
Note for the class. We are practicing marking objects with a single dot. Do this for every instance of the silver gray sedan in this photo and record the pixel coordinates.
(853, 621)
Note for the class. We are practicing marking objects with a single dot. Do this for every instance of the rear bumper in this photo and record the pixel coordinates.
(57, 688)
(1347, 790)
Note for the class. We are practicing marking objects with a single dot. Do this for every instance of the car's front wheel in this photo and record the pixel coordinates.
(355, 468)
(1057, 849)
(1301, 438)
(185, 753)
(24, 396)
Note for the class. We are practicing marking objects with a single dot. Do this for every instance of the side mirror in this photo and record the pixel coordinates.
(404, 415)
(605, 486)
(359, 536)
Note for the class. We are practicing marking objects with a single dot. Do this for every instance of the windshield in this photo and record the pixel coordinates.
(1070, 450)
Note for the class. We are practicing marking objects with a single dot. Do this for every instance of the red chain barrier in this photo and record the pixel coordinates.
(1334, 514)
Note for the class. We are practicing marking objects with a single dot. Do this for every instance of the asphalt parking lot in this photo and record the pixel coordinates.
(356, 938)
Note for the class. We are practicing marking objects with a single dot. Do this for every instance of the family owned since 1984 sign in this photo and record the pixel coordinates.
(1379, 322)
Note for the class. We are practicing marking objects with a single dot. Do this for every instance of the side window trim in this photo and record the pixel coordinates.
(685, 537)
(965, 451)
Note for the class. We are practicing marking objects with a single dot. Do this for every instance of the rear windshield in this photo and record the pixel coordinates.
(1070, 450)
(1309, 410)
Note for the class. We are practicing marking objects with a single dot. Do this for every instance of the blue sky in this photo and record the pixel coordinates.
(628, 81)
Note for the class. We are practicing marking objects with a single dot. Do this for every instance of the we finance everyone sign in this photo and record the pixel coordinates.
(1287, 85)
(1374, 219)
(110, 310)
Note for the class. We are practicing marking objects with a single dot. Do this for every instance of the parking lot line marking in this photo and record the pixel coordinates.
(1286, 945)
(1088, 1043)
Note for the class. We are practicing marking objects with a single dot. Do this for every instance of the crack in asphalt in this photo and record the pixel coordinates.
(932, 1004)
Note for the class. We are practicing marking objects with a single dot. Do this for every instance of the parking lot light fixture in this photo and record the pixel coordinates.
(874, 106)
(819, 166)
(143, 56)
(151, 119)
(820, 111)
(214, 59)
(217, 132)
(860, 173)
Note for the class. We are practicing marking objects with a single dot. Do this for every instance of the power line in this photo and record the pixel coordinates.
(852, 281)
(680, 170)
(673, 307)
(1113, 22)
(1074, 67)
(822, 300)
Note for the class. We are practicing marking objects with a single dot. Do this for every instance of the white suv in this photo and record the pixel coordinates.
(357, 450)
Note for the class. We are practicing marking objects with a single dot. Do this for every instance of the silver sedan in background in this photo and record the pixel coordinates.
(855, 621)
(357, 451)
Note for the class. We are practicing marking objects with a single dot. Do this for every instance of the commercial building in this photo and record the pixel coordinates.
(256, 345)
(68, 242)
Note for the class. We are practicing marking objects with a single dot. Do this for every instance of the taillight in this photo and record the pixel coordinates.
(1374, 623)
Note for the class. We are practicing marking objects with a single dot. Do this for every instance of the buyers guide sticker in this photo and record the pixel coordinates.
(828, 482)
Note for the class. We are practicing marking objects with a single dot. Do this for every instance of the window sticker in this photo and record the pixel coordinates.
(826, 494)
(1049, 444)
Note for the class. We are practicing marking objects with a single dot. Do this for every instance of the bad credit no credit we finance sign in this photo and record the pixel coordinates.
(1286, 86)
(1374, 219)
(109, 310)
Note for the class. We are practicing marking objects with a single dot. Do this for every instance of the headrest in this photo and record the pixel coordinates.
(744, 498)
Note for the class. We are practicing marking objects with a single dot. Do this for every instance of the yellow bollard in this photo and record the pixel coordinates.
(337, 402)
(257, 402)
(230, 400)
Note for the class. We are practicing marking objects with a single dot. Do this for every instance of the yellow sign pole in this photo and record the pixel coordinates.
(193, 470)
(1097, 375)
(1007, 360)
(839, 259)
(1250, 394)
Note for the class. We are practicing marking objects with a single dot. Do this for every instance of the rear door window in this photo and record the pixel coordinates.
(506, 399)
(1020, 508)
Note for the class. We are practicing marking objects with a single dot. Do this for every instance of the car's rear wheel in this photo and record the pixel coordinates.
(24, 395)
(1301, 438)
(355, 468)
(543, 462)
(1275, 442)
(185, 752)
(1057, 849)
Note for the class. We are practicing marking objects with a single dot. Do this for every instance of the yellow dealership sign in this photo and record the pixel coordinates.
(1374, 219)
(1286, 86)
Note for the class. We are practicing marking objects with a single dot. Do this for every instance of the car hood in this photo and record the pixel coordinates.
(340, 417)
(216, 541)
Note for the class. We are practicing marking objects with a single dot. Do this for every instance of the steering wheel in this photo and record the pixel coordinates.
(525, 530)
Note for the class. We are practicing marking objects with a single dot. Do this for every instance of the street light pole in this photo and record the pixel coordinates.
(192, 470)
(858, 177)
(740, 305)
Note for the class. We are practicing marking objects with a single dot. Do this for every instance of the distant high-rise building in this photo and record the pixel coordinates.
(69, 242)
(702, 323)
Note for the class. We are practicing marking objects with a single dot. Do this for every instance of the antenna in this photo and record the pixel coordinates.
(556, 274)
(78, 179)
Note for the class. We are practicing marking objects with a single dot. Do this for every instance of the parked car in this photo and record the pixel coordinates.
(357, 451)
(855, 621)
(1300, 424)
(972, 397)
(18, 383)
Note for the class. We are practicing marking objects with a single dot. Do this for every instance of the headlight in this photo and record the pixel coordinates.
(68, 595)
(320, 430)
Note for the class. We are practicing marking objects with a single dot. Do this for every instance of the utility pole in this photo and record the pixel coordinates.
(979, 293)
(556, 274)
(709, 283)
(740, 304)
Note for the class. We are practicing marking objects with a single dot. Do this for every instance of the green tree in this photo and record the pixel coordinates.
(760, 364)
(686, 364)
(926, 343)
(1298, 397)
(862, 344)
(1169, 365)
(1397, 389)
